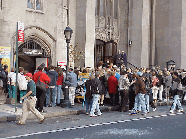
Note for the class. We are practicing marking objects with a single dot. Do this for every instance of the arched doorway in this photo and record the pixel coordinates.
(37, 48)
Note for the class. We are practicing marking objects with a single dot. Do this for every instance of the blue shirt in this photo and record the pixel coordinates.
(117, 76)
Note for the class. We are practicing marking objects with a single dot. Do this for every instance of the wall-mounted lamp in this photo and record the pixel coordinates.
(130, 42)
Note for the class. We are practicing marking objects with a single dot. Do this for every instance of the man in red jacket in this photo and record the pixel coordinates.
(112, 85)
(40, 94)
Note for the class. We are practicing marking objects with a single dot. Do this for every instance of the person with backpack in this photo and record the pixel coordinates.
(124, 84)
(95, 91)
(88, 95)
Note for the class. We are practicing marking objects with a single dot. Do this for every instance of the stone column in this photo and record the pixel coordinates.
(90, 33)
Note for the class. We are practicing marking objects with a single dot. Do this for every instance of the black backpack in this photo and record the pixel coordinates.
(94, 87)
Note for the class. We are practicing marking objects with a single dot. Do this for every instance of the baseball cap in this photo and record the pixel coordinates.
(28, 74)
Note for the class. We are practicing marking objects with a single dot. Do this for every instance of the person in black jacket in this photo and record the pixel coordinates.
(103, 80)
(95, 90)
(88, 95)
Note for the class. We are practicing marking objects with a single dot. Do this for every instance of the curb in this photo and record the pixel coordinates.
(55, 114)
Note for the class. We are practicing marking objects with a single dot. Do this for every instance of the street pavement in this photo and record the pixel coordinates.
(112, 124)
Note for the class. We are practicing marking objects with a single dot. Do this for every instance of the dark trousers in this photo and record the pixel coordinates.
(41, 95)
(117, 96)
(124, 100)
(113, 98)
(131, 99)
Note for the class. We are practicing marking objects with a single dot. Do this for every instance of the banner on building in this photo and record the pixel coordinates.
(20, 32)
(5, 53)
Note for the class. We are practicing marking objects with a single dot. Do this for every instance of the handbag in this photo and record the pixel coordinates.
(40, 85)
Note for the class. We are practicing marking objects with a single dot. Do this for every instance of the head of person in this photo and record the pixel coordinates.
(91, 77)
(97, 74)
(40, 68)
(70, 69)
(28, 76)
(113, 73)
(13, 69)
(123, 72)
(123, 52)
(43, 65)
(175, 74)
(52, 67)
(21, 69)
(5, 67)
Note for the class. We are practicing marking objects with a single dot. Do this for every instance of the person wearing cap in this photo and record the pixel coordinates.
(30, 102)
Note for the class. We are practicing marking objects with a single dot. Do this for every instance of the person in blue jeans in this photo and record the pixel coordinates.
(95, 90)
(51, 90)
(140, 95)
(59, 87)
(88, 95)
(176, 89)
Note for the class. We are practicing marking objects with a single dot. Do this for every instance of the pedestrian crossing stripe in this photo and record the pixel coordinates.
(91, 125)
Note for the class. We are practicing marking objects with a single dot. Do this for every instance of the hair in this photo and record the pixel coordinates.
(52, 67)
(60, 74)
(102, 72)
(123, 72)
(91, 77)
(71, 69)
(113, 73)
(97, 74)
(153, 74)
(85, 71)
(25, 72)
(13, 69)
(21, 69)
(175, 73)
(40, 68)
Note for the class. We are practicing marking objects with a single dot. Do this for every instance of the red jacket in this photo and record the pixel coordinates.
(112, 84)
(60, 80)
(43, 77)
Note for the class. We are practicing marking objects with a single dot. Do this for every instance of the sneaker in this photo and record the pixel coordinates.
(19, 123)
(165, 100)
(87, 113)
(99, 114)
(180, 110)
(41, 121)
(143, 114)
(138, 111)
(133, 113)
(93, 115)
(20, 102)
(154, 109)
(171, 111)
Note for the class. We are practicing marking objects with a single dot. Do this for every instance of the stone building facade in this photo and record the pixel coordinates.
(150, 32)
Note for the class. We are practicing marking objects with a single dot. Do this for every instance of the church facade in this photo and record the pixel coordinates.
(151, 32)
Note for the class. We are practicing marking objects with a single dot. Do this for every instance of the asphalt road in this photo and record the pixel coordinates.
(113, 125)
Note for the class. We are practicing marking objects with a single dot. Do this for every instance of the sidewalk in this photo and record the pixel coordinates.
(7, 111)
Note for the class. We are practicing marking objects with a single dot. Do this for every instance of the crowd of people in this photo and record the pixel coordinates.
(133, 90)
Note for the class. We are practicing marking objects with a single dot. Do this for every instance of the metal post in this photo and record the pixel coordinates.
(66, 102)
(16, 67)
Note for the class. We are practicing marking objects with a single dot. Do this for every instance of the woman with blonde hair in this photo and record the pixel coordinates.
(103, 80)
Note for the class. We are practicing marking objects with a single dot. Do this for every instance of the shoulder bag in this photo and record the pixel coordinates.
(40, 85)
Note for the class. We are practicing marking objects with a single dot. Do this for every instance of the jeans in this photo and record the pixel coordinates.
(22, 93)
(95, 104)
(88, 102)
(176, 102)
(49, 92)
(140, 99)
(11, 91)
(59, 91)
(147, 102)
